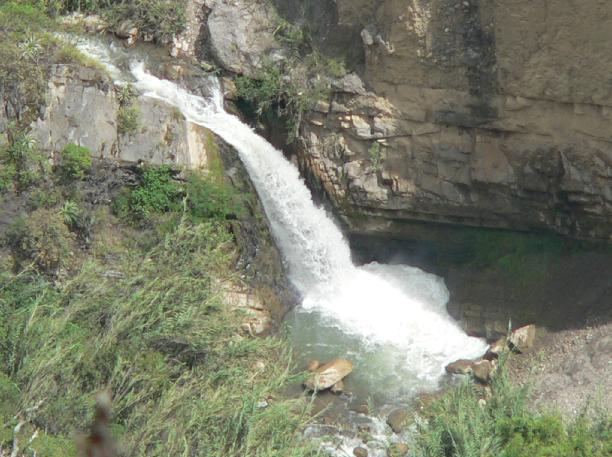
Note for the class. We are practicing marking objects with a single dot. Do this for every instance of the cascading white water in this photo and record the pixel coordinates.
(396, 307)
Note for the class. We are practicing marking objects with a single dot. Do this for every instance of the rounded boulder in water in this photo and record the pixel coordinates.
(329, 374)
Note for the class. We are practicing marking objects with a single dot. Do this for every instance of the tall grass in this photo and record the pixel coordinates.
(458, 426)
(185, 380)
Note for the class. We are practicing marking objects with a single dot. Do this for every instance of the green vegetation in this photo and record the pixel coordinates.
(160, 337)
(523, 257)
(160, 18)
(144, 315)
(75, 162)
(375, 155)
(41, 239)
(202, 196)
(293, 86)
(21, 162)
(128, 120)
(457, 425)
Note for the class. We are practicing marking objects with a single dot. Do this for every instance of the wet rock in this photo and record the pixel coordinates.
(127, 30)
(397, 450)
(230, 92)
(483, 370)
(313, 365)
(362, 409)
(522, 338)
(329, 374)
(461, 366)
(397, 420)
(497, 348)
(360, 452)
(337, 388)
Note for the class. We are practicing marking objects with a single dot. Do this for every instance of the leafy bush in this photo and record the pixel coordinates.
(128, 120)
(42, 239)
(75, 162)
(22, 163)
(210, 197)
(157, 193)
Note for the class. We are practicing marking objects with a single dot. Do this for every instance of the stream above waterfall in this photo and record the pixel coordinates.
(389, 320)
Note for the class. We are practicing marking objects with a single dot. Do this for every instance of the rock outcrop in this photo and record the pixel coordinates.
(82, 108)
(482, 113)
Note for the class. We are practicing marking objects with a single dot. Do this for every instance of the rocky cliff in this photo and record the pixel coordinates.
(492, 113)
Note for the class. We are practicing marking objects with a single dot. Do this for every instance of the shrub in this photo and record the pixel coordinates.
(128, 120)
(157, 193)
(210, 197)
(22, 162)
(75, 162)
(375, 155)
(42, 239)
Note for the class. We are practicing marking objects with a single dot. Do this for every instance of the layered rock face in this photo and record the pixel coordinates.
(83, 108)
(493, 113)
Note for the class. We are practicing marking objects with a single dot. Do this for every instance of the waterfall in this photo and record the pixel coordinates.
(394, 306)
(385, 304)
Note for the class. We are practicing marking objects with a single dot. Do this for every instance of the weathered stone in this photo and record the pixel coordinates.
(498, 347)
(230, 92)
(329, 374)
(360, 452)
(337, 388)
(242, 33)
(494, 141)
(313, 365)
(460, 367)
(522, 338)
(483, 370)
(397, 419)
(397, 450)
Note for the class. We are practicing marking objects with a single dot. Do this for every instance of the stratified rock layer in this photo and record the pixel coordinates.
(482, 113)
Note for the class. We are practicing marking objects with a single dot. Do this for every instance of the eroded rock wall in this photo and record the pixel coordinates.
(82, 107)
(494, 113)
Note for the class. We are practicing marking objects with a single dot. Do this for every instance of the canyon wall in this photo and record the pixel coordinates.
(489, 113)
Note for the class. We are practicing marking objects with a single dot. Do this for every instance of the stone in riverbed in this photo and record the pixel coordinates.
(337, 388)
(397, 420)
(483, 370)
(497, 348)
(360, 452)
(461, 366)
(313, 365)
(522, 338)
(329, 374)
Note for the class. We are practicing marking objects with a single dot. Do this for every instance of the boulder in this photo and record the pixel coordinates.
(397, 450)
(127, 30)
(329, 374)
(397, 419)
(483, 370)
(360, 452)
(461, 366)
(522, 338)
(242, 47)
(337, 388)
(497, 348)
(313, 365)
